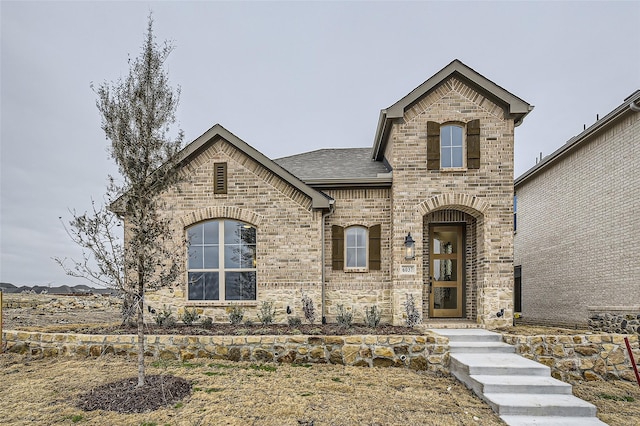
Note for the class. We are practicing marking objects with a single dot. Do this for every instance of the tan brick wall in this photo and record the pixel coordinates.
(578, 222)
(288, 231)
(486, 194)
(356, 290)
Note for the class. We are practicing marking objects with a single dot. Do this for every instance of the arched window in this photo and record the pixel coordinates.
(221, 261)
(451, 146)
(356, 247)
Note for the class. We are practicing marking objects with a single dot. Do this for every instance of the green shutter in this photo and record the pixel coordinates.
(374, 248)
(337, 247)
(433, 145)
(473, 144)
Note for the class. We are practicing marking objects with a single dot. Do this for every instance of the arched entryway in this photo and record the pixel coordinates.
(450, 265)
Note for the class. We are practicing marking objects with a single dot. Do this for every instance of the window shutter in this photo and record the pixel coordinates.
(374, 248)
(473, 144)
(220, 178)
(337, 247)
(433, 145)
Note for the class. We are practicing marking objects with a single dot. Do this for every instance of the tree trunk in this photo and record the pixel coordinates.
(140, 323)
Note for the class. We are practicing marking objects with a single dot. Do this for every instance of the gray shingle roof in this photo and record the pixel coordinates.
(331, 164)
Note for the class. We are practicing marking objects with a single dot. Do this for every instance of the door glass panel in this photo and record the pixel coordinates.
(445, 298)
(445, 269)
(445, 241)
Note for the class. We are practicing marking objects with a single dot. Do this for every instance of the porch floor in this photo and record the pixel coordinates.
(431, 323)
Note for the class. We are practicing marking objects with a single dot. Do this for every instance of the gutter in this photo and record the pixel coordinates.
(324, 216)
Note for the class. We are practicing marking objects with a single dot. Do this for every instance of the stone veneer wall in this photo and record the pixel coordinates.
(580, 357)
(418, 352)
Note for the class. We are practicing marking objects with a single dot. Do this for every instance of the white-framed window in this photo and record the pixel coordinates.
(221, 261)
(356, 247)
(451, 146)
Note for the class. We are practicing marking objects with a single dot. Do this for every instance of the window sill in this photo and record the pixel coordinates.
(453, 169)
(221, 303)
(356, 270)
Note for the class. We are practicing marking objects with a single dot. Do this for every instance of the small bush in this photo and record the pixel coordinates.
(344, 318)
(189, 316)
(372, 316)
(413, 315)
(165, 317)
(308, 308)
(207, 322)
(267, 313)
(236, 314)
(294, 321)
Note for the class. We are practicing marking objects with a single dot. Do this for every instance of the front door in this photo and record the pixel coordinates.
(446, 260)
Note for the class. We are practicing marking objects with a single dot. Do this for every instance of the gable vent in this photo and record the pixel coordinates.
(220, 178)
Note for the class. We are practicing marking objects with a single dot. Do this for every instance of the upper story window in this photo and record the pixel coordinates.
(451, 146)
(222, 261)
(356, 247)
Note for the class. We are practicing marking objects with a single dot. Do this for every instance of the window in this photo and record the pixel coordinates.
(517, 288)
(222, 261)
(451, 147)
(515, 212)
(356, 247)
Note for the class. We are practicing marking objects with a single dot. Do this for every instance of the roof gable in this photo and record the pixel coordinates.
(318, 200)
(514, 106)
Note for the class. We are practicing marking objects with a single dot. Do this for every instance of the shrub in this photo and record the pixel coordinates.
(372, 316)
(413, 315)
(344, 318)
(267, 313)
(294, 321)
(189, 316)
(207, 322)
(308, 308)
(236, 313)
(165, 317)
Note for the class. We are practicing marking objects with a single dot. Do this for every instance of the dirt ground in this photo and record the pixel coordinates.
(47, 391)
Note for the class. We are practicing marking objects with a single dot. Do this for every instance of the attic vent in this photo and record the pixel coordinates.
(220, 178)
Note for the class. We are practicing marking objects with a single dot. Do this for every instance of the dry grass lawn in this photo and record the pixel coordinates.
(45, 392)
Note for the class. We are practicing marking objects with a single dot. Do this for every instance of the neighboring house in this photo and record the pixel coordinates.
(578, 218)
(427, 212)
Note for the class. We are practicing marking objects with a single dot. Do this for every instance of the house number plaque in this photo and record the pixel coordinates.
(407, 269)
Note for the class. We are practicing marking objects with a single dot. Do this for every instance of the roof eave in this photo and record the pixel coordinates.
(378, 182)
(581, 138)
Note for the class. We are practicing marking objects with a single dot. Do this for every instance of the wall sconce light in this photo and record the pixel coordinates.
(409, 247)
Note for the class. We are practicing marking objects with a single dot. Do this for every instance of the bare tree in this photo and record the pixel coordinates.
(137, 116)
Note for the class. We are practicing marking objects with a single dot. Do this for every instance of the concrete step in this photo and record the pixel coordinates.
(539, 405)
(481, 347)
(482, 384)
(468, 335)
(496, 364)
(551, 421)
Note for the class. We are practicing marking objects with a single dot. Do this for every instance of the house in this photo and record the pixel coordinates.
(427, 213)
(578, 215)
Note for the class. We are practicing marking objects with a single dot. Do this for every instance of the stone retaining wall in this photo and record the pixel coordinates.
(580, 357)
(418, 352)
(611, 322)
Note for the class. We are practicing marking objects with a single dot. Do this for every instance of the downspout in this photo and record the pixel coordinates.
(324, 216)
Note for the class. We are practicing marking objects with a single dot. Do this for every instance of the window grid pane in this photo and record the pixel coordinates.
(451, 147)
(356, 247)
(235, 279)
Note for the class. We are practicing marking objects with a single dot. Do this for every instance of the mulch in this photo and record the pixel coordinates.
(226, 329)
(124, 396)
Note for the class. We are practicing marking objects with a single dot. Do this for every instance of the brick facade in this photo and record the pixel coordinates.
(400, 195)
(577, 223)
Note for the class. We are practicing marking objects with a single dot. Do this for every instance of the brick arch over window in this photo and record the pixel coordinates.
(470, 204)
(228, 212)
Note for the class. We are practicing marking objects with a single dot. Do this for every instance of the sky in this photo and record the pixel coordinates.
(285, 77)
